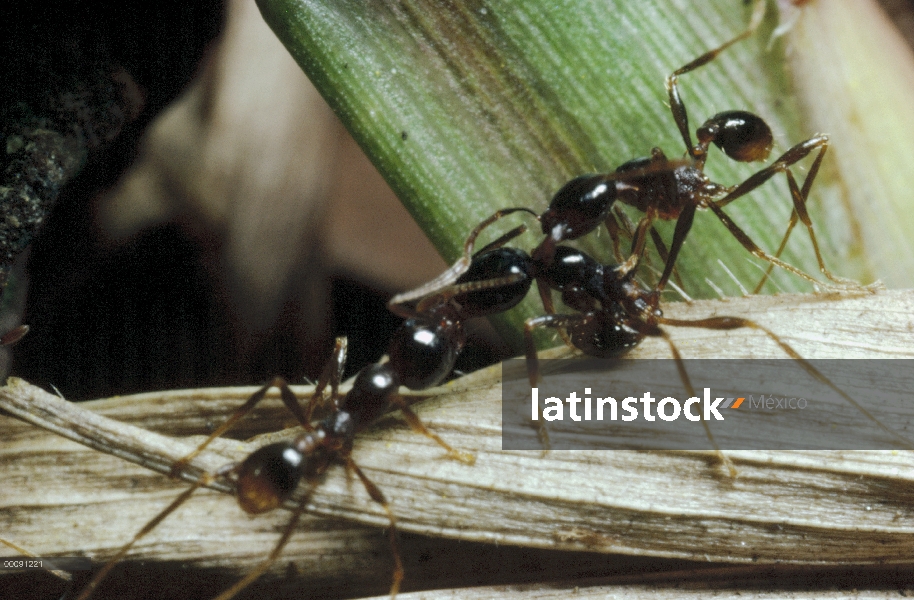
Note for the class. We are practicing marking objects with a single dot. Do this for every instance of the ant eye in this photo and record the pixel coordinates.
(742, 135)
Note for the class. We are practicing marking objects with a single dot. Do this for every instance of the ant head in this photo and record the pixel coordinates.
(579, 207)
(610, 335)
(742, 136)
(572, 268)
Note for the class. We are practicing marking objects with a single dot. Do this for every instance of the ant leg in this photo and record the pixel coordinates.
(794, 219)
(799, 209)
(288, 398)
(613, 227)
(332, 375)
(790, 157)
(378, 497)
(617, 221)
(798, 196)
(397, 304)
(684, 377)
(627, 224)
(749, 245)
(419, 427)
(728, 323)
(677, 107)
(552, 321)
(638, 242)
(786, 160)
(683, 225)
(658, 243)
(560, 322)
(546, 297)
(269, 560)
(206, 479)
(664, 254)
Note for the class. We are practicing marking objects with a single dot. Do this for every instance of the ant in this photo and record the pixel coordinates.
(614, 313)
(269, 475)
(422, 354)
(669, 189)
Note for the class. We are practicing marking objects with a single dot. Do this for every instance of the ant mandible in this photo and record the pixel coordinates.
(669, 189)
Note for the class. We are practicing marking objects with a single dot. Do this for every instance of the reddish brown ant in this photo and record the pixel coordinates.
(671, 189)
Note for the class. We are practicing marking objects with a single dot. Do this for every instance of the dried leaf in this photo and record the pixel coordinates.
(821, 508)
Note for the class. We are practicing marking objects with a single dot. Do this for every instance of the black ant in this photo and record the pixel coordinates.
(269, 475)
(674, 189)
(614, 313)
(422, 355)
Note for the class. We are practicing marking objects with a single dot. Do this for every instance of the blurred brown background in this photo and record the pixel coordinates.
(232, 238)
(247, 232)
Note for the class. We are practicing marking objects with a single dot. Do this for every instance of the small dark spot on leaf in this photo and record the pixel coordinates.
(404, 136)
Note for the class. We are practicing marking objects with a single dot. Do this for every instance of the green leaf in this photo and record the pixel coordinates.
(468, 107)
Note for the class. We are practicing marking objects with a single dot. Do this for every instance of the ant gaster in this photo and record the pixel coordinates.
(668, 189)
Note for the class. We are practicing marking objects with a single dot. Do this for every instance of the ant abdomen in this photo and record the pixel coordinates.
(742, 136)
(494, 264)
(579, 207)
(268, 477)
(423, 353)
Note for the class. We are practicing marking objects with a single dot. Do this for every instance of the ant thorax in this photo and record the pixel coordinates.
(664, 187)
